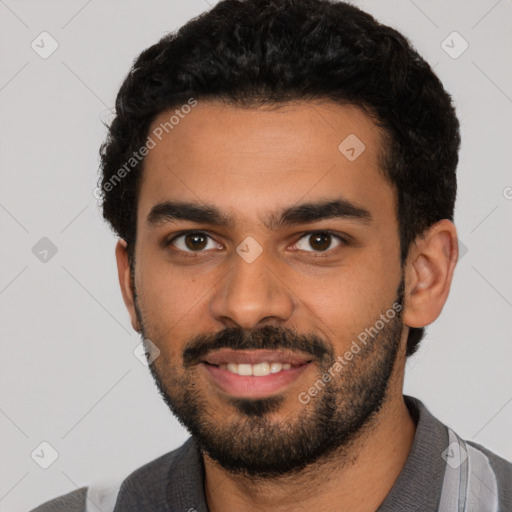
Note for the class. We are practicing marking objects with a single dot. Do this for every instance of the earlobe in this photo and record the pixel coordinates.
(123, 272)
(429, 271)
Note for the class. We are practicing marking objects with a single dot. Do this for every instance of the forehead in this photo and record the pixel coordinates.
(249, 161)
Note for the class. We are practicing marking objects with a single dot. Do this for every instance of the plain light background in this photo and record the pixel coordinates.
(68, 374)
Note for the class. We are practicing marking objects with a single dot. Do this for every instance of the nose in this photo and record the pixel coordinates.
(252, 294)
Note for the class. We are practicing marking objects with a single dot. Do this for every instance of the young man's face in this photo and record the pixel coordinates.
(257, 283)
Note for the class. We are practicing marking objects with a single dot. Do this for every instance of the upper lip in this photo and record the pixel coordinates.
(224, 356)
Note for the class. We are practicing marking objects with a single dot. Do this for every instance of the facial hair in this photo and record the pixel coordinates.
(248, 442)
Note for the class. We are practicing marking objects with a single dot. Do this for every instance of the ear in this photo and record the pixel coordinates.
(123, 271)
(428, 273)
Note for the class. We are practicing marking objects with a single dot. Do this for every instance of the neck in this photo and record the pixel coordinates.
(360, 478)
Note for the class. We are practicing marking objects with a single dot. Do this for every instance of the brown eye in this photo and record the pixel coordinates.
(193, 242)
(319, 241)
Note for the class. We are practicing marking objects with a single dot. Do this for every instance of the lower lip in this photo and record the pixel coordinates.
(249, 386)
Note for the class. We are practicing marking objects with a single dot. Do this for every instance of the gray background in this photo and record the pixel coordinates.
(68, 374)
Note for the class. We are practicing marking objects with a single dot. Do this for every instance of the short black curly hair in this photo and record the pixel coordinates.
(268, 52)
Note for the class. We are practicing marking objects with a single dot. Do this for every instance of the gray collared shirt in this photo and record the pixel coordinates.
(443, 473)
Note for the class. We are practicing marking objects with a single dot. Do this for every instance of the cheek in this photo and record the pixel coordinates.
(348, 299)
(172, 303)
(164, 290)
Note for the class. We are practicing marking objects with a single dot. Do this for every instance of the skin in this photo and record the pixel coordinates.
(250, 163)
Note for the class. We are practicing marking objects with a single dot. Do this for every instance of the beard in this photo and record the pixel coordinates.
(248, 442)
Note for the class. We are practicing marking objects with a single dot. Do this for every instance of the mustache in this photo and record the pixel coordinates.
(267, 337)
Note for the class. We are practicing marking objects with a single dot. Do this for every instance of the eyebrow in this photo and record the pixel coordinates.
(340, 208)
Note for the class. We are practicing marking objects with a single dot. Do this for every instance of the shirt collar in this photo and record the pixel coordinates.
(419, 484)
(417, 488)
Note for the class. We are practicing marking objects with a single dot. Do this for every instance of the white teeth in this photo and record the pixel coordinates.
(258, 370)
(244, 369)
(276, 367)
(232, 367)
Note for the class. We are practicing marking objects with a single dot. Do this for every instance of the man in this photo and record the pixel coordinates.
(281, 176)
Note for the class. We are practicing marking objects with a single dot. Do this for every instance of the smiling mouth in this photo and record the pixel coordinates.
(257, 370)
(253, 373)
(253, 357)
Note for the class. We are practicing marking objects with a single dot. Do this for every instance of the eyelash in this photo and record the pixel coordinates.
(343, 241)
